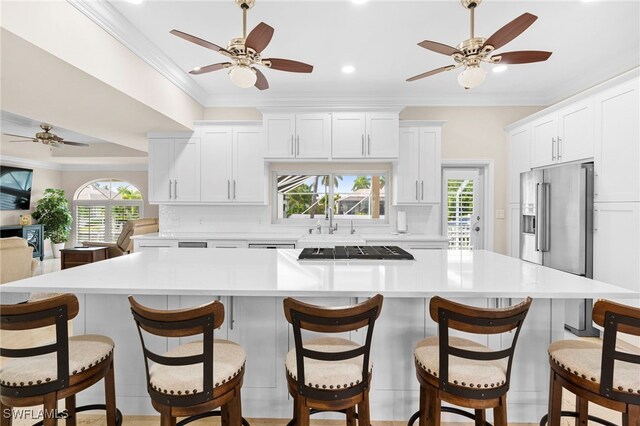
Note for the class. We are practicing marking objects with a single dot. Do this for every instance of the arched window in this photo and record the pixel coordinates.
(103, 206)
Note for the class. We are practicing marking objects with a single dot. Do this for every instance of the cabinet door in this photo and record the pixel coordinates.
(248, 166)
(519, 152)
(430, 173)
(616, 244)
(216, 164)
(313, 135)
(617, 152)
(544, 133)
(160, 170)
(382, 135)
(348, 135)
(575, 131)
(186, 170)
(407, 170)
(279, 133)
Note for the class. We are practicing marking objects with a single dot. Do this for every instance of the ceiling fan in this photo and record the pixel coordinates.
(471, 52)
(46, 138)
(244, 53)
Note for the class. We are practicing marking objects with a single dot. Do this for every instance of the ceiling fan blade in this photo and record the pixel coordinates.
(261, 82)
(200, 42)
(209, 68)
(72, 143)
(25, 140)
(288, 65)
(510, 31)
(432, 72)
(259, 37)
(18, 136)
(522, 57)
(434, 46)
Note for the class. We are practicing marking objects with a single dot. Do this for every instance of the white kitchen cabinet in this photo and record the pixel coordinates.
(232, 165)
(148, 244)
(617, 152)
(304, 136)
(519, 159)
(616, 244)
(563, 136)
(418, 173)
(174, 170)
(226, 244)
(365, 135)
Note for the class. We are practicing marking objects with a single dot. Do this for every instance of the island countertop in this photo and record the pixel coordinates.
(251, 272)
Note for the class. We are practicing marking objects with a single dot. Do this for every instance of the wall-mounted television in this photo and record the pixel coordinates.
(15, 188)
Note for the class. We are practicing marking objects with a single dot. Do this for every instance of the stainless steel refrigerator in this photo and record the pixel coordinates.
(556, 229)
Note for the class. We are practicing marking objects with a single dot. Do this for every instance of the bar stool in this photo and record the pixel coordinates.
(46, 374)
(194, 378)
(605, 372)
(330, 373)
(464, 372)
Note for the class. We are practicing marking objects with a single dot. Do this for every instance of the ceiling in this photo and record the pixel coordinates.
(591, 41)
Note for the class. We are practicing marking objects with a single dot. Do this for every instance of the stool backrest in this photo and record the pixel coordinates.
(180, 323)
(616, 318)
(471, 319)
(304, 316)
(56, 310)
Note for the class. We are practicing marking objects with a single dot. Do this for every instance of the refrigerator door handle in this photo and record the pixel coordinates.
(546, 213)
(537, 217)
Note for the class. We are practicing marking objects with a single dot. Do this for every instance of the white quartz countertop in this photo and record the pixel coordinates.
(283, 236)
(254, 272)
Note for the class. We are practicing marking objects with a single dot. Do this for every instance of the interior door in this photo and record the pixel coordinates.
(216, 164)
(463, 208)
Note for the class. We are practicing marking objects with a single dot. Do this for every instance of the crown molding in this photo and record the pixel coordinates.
(422, 123)
(49, 165)
(352, 107)
(17, 161)
(114, 23)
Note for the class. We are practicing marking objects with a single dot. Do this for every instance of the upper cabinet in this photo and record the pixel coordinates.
(418, 169)
(617, 151)
(365, 135)
(519, 160)
(305, 136)
(563, 136)
(174, 170)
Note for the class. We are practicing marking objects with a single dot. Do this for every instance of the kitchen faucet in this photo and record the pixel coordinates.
(332, 228)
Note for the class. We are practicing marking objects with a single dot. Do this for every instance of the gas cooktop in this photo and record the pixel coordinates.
(355, 253)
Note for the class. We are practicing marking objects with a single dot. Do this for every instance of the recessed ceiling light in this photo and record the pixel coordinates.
(196, 69)
(500, 68)
(135, 1)
(359, 1)
(348, 69)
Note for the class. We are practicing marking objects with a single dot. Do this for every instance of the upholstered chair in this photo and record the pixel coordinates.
(124, 244)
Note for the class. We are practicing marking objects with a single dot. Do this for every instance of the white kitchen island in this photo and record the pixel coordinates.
(252, 284)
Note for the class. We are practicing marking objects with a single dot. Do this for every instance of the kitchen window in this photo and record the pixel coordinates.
(102, 208)
(354, 196)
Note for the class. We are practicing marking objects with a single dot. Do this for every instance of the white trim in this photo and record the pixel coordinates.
(311, 106)
(488, 167)
(227, 123)
(74, 167)
(111, 20)
(422, 123)
(30, 163)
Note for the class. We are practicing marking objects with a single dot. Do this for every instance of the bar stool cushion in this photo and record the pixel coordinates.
(328, 374)
(462, 372)
(583, 358)
(228, 362)
(84, 352)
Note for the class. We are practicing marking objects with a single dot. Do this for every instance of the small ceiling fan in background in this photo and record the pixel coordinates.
(475, 50)
(46, 138)
(244, 53)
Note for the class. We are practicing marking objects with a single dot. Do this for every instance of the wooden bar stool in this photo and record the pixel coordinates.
(46, 374)
(605, 372)
(464, 372)
(194, 378)
(330, 373)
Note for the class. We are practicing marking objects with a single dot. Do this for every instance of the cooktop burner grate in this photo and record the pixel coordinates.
(355, 253)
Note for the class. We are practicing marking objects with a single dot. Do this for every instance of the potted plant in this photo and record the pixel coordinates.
(52, 210)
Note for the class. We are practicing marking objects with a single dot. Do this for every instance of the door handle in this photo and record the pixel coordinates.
(228, 189)
(422, 190)
(417, 190)
(537, 218)
(169, 188)
(596, 184)
(230, 312)
(297, 145)
(596, 219)
(560, 150)
(175, 189)
(368, 144)
(553, 148)
(292, 152)
(234, 189)
(362, 145)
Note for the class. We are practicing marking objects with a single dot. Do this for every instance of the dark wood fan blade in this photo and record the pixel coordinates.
(522, 57)
(73, 143)
(288, 65)
(259, 37)
(261, 82)
(200, 42)
(209, 68)
(432, 72)
(18, 136)
(434, 46)
(510, 31)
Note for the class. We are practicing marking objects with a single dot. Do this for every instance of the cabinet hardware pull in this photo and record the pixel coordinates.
(362, 145)
(368, 144)
(292, 152)
(231, 312)
(422, 189)
(175, 189)
(560, 150)
(297, 145)
(553, 148)
(416, 190)
(169, 188)
(234, 189)
(596, 184)
(228, 189)
(596, 217)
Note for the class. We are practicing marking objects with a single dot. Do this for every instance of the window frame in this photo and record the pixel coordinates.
(328, 171)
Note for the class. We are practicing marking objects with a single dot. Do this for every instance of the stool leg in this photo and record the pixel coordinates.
(166, 419)
(582, 408)
(351, 416)
(110, 395)
(70, 405)
(555, 401)
(6, 416)
(424, 405)
(500, 412)
(364, 414)
(235, 410)
(632, 416)
(433, 406)
(302, 411)
(50, 406)
(480, 418)
(224, 415)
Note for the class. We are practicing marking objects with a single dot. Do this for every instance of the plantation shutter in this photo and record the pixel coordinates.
(91, 223)
(459, 213)
(119, 216)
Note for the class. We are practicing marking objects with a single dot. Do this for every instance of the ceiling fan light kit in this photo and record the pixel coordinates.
(475, 50)
(244, 54)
